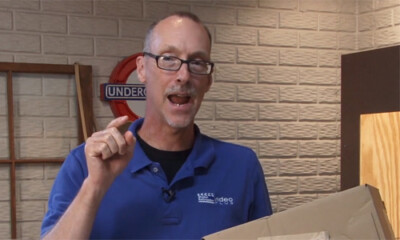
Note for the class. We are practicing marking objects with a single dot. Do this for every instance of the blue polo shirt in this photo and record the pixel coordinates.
(219, 186)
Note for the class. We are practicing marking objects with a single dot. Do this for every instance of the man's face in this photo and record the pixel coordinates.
(174, 97)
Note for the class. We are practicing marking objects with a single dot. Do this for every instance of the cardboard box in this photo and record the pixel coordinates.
(303, 236)
(356, 213)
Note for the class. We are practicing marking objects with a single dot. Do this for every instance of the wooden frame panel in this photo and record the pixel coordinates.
(86, 104)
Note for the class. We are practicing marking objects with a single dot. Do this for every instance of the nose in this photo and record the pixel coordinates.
(183, 74)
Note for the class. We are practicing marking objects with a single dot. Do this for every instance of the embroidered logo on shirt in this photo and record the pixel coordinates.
(210, 198)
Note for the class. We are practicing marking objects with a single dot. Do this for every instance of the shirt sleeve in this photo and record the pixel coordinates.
(66, 185)
(261, 206)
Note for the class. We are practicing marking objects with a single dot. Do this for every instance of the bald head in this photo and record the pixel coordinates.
(187, 15)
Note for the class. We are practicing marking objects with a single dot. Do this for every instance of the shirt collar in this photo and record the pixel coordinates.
(202, 155)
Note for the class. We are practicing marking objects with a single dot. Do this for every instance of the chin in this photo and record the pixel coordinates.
(180, 123)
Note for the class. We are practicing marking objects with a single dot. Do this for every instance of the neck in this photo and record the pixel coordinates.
(167, 138)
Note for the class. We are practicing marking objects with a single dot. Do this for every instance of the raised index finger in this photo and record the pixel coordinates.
(118, 122)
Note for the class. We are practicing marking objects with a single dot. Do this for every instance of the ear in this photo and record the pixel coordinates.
(209, 83)
(140, 69)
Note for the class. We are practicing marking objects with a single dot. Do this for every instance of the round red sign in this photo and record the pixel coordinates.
(120, 75)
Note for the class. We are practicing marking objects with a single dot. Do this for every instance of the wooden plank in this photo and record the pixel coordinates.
(36, 68)
(80, 101)
(11, 145)
(380, 160)
(85, 73)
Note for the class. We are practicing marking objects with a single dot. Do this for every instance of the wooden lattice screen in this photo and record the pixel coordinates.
(86, 124)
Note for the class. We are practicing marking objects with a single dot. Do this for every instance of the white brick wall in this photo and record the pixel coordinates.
(276, 83)
(37, 22)
(378, 22)
(16, 42)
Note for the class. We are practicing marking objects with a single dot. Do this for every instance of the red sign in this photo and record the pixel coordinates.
(120, 75)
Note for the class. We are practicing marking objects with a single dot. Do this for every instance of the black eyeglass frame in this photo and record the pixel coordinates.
(208, 63)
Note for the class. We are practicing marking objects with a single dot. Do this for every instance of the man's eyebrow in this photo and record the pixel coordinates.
(199, 54)
(169, 48)
(173, 49)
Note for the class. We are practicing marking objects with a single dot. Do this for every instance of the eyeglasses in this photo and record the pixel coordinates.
(171, 63)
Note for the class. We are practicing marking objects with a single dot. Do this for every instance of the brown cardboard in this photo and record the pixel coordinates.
(356, 213)
(303, 236)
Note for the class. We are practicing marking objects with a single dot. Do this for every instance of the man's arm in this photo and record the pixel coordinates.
(77, 221)
(107, 154)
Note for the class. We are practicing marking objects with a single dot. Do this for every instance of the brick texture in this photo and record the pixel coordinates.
(291, 201)
(51, 170)
(278, 112)
(16, 42)
(236, 35)
(319, 76)
(236, 111)
(123, 8)
(206, 112)
(278, 4)
(276, 83)
(68, 45)
(83, 7)
(257, 131)
(257, 93)
(337, 22)
(43, 106)
(134, 28)
(298, 20)
(278, 75)
(223, 53)
(221, 92)
(115, 47)
(4, 152)
(5, 230)
(283, 185)
(278, 38)
(5, 211)
(298, 94)
(4, 190)
(255, 56)
(29, 171)
(298, 57)
(329, 58)
(216, 15)
(21, 4)
(292, 167)
(298, 131)
(235, 73)
(93, 26)
(259, 18)
(29, 229)
(5, 20)
(30, 211)
(217, 129)
(318, 40)
(41, 23)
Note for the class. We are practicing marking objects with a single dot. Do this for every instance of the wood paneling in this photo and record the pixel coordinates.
(380, 160)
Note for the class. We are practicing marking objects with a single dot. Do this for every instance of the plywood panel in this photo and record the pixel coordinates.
(380, 160)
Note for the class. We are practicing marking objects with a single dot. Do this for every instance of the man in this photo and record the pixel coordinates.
(162, 179)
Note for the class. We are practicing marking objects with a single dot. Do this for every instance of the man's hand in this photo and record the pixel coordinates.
(108, 153)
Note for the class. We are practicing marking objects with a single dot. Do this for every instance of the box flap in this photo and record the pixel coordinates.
(356, 213)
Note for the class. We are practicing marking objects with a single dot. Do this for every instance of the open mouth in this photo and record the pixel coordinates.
(178, 99)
